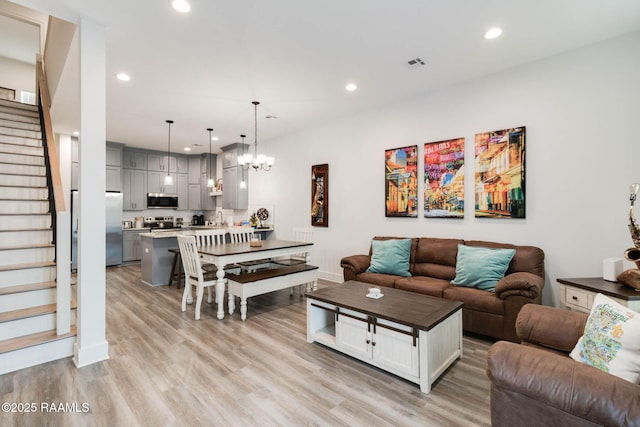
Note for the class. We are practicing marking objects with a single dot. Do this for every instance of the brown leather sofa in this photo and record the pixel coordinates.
(536, 383)
(433, 265)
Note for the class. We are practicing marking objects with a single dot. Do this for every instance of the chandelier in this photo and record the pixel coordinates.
(255, 160)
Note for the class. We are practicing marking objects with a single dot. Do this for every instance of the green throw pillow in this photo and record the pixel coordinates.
(481, 268)
(390, 257)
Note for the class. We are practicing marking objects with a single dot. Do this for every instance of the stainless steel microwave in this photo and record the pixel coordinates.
(161, 200)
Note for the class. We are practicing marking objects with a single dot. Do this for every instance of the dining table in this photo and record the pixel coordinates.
(227, 254)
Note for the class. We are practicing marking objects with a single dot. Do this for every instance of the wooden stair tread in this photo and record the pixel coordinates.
(34, 339)
(21, 247)
(26, 266)
(9, 230)
(24, 200)
(20, 164)
(42, 175)
(26, 288)
(38, 187)
(38, 310)
(22, 154)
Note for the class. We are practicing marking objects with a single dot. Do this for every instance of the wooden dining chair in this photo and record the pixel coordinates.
(215, 236)
(300, 234)
(244, 235)
(241, 234)
(193, 273)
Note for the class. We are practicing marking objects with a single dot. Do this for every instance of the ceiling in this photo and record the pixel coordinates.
(203, 69)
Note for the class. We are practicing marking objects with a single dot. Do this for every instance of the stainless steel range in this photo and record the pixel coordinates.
(159, 222)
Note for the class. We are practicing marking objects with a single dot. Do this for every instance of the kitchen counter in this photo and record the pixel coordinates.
(172, 232)
(156, 259)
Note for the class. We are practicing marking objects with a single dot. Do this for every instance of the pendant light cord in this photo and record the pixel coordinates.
(169, 150)
(255, 119)
(210, 165)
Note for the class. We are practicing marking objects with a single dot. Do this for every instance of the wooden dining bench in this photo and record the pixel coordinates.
(246, 285)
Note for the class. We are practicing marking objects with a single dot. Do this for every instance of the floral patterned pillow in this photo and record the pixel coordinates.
(611, 339)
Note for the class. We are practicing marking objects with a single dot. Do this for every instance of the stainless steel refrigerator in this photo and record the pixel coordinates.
(113, 229)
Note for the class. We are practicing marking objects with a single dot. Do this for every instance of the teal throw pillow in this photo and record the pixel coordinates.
(481, 268)
(390, 257)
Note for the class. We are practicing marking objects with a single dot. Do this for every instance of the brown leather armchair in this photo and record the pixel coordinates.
(536, 383)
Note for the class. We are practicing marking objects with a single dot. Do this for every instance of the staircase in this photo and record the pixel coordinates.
(28, 295)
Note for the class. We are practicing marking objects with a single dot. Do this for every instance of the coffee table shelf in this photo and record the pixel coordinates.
(415, 337)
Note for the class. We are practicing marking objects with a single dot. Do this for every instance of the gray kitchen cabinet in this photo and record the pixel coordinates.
(113, 160)
(194, 170)
(113, 154)
(134, 159)
(132, 245)
(233, 195)
(208, 202)
(195, 197)
(112, 178)
(182, 190)
(159, 162)
(74, 175)
(134, 190)
(182, 164)
(155, 183)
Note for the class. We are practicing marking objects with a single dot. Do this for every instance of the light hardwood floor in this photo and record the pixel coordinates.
(166, 369)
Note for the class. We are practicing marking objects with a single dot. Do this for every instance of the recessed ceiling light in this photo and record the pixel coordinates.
(123, 77)
(187, 148)
(493, 33)
(76, 133)
(351, 87)
(181, 6)
(214, 138)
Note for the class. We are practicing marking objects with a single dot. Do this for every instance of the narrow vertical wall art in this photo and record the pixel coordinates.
(444, 179)
(320, 195)
(500, 173)
(401, 182)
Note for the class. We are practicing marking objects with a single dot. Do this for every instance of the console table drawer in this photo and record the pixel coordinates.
(577, 298)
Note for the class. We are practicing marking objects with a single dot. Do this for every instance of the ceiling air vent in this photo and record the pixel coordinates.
(415, 63)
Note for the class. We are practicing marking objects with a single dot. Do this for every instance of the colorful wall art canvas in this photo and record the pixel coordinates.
(444, 179)
(401, 182)
(500, 173)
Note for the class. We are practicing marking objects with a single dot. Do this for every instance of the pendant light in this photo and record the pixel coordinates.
(243, 183)
(255, 160)
(210, 180)
(168, 180)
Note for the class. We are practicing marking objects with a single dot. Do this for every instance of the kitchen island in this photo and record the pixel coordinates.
(156, 259)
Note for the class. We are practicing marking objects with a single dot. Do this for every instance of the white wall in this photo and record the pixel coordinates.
(17, 75)
(580, 110)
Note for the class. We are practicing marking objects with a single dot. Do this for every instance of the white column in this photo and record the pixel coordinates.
(91, 344)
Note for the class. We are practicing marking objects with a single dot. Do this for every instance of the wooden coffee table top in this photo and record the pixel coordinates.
(408, 308)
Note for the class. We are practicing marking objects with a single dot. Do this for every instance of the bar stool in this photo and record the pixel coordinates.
(176, 269)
